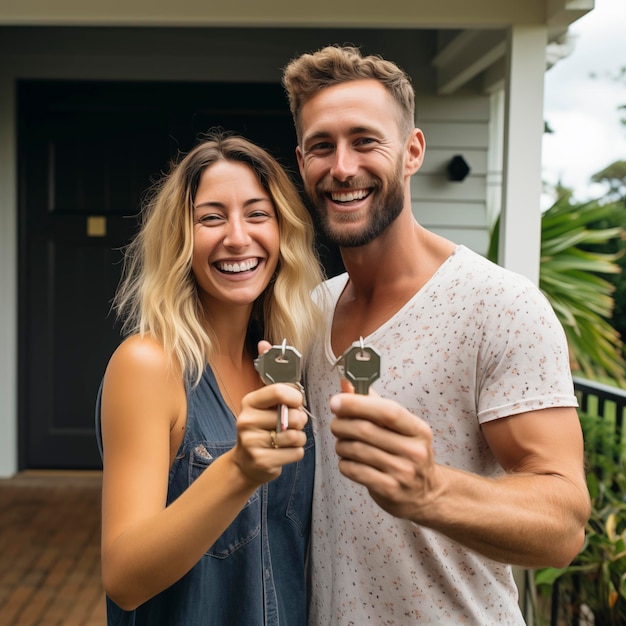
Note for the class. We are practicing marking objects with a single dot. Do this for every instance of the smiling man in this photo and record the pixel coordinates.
(428, 488)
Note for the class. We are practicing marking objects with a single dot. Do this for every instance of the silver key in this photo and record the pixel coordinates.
(361, 365)
(280, 364)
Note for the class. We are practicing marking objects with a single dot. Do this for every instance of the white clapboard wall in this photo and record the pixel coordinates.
(454, 125)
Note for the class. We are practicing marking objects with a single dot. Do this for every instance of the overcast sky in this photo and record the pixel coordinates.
(581, 110)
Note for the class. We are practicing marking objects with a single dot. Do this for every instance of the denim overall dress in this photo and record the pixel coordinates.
(254, 574)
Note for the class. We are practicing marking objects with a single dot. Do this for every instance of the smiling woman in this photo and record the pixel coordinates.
(223, 259)
(236, 239)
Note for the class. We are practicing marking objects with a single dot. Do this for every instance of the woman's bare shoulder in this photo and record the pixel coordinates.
(142, 358)
(144, 352)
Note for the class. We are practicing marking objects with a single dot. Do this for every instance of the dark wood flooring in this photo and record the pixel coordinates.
(50, 550)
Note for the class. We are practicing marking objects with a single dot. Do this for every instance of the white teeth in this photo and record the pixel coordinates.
(357, 194)
(235, 268)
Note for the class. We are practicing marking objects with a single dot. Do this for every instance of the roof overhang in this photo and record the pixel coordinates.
(471, 36)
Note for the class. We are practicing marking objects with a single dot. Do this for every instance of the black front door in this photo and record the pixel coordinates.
(87, 152)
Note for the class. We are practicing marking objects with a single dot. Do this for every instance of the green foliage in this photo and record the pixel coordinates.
(596, 579)
(616, 217)
(614, 176)
(569, 276)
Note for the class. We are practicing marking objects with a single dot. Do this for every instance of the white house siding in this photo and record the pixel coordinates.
(454, 125)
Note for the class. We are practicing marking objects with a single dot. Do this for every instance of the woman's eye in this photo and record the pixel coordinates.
(259, 216)
(211, 219)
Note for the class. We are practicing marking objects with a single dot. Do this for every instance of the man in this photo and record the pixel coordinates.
(468, 457)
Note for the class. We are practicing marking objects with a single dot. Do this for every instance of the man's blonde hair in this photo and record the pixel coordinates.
(158, 293)
(306, 75)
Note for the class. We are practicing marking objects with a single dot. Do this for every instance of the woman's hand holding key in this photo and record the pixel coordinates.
(262, 446)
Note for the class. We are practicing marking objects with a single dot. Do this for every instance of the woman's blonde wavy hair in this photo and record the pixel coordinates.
(158, 292)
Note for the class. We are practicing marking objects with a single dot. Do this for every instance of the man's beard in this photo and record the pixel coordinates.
(383, 211)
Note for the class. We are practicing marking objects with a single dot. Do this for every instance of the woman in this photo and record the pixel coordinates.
(205, 516)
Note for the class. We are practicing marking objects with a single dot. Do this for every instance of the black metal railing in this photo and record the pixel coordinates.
(606, 402)
(604, 397)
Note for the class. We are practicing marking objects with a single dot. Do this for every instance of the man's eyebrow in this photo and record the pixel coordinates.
(316, 136)
(354, 130)
(359, 130)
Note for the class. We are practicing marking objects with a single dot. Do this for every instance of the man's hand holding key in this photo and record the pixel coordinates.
(380, 444)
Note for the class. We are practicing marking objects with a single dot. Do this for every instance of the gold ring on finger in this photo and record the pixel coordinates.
(273, 439)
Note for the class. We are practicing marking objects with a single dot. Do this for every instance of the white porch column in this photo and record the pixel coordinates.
(520, 227)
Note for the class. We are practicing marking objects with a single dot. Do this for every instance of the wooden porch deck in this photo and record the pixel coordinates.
(50, 550)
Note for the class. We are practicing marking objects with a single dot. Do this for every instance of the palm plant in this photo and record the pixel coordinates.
(594, 585)
(595, 582)
(569, 278)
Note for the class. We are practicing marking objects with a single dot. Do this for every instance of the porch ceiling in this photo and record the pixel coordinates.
(470, 36)
(322, 13)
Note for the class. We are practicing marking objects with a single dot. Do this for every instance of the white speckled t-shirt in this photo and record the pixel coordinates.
(476, 343)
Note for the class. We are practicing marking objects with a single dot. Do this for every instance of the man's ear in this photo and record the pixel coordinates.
(300, 161)
(415, 149)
